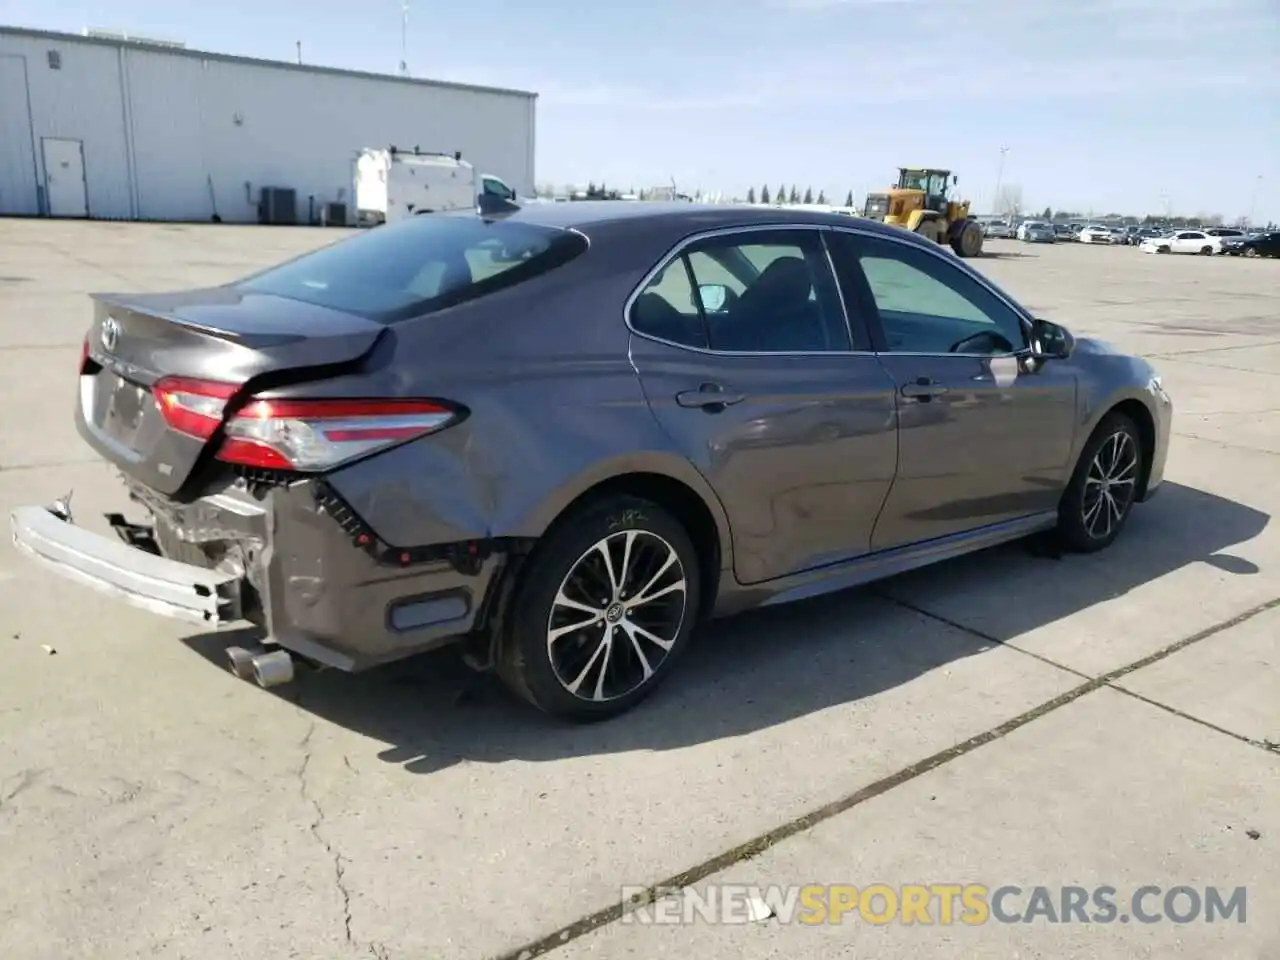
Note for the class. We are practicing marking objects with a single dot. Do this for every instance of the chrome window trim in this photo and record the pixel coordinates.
(820, 228)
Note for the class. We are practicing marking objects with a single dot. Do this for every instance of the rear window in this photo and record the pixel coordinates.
(419, 265)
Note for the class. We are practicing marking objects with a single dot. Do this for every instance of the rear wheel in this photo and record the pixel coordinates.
(968, 242)
(1206, 251)
(1104, 487)
(607, 604)
(1250, 251)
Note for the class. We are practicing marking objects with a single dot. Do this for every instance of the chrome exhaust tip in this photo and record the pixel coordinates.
(240, 660)
(272, 669)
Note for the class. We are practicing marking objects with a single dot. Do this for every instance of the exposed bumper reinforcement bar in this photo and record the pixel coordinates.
(167, 587)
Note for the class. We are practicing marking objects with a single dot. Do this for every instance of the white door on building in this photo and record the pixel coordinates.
(64, 177)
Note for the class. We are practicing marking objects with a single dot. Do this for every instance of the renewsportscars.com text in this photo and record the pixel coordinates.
(942, 904)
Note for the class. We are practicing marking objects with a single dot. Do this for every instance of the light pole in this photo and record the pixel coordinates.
(1253, 200)
(999, 177)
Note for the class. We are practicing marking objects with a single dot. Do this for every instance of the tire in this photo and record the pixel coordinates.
(1164, 250)
(1082, 528)
(581, 675)
(1250, 251)
(968, 242)
(1206, 251)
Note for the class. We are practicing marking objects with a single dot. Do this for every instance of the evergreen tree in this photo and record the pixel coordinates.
(781, 196)
(764, 194)
(822, 197)
(848, 201)
(808, 194)
(795, 196)
(751, 195)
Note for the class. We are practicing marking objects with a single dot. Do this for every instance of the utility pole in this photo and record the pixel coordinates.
(299, 51)
(999, 177)
(404, 38)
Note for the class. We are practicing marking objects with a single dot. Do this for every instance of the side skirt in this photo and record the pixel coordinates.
(888, 563)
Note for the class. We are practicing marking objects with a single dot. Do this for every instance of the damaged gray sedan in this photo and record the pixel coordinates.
(560, 436)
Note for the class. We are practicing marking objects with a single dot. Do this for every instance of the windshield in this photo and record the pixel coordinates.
(418, 265)
(912, 180)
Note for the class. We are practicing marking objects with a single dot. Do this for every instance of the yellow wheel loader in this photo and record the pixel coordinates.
(920, 203)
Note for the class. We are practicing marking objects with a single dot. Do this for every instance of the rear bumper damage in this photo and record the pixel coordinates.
(166, 587)
(290, 557)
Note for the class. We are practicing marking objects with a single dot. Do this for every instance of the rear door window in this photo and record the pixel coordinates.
(749, 292)
(419, 265)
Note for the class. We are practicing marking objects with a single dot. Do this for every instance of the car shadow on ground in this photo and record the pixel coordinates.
(769, 666)
(988, 254)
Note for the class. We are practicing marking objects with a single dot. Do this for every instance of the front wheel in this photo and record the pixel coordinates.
(606, 606)
(1104, 487)
(1250, 252)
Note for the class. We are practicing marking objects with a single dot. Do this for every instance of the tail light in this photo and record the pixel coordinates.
(193, 407)
(305, 435)
(321, 434)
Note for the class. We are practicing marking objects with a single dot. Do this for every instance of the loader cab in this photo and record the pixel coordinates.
(932, 183)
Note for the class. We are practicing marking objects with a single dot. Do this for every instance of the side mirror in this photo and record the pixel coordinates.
(713, 296)
(1049, 341)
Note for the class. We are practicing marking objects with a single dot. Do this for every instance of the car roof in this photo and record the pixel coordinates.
(585, 215)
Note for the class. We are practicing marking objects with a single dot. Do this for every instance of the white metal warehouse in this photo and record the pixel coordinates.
(125, 129)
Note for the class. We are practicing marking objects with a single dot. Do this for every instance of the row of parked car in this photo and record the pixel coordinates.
(1208, 240)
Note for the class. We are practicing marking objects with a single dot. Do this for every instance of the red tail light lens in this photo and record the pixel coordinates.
(193, 407)
(311, 435)
(304, 435)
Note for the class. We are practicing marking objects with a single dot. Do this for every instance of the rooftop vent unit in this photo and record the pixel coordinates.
(121, 37)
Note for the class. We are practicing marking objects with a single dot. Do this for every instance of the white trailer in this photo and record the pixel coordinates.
(391, 184)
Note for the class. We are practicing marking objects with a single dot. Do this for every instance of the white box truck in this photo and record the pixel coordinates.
(392, 184)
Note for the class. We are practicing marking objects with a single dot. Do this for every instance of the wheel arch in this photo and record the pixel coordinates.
(919, 216)
(679, 489)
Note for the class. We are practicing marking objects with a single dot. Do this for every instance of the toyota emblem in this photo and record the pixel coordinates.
(110, 333)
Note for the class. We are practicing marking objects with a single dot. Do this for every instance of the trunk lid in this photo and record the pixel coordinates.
(249, 340)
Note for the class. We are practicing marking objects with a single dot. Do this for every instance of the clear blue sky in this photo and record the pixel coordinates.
(1103, 104)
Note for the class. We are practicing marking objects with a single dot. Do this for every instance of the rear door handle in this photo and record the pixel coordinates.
(709, 397)
(923, 389)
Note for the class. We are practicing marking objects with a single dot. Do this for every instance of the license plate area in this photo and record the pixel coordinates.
(121, 409)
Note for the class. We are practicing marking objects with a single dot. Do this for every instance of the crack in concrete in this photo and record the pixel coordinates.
(26, 779)
(1226, 445)
(1175, 354)
(339, 862)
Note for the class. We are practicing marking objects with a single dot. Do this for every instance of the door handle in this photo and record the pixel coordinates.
(923, 389)
(710, 397)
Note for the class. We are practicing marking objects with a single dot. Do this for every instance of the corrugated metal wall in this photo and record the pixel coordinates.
(177, 137)
(17, 151)
(79, 101)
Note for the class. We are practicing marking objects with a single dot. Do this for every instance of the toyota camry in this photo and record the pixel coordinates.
(561, 436)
